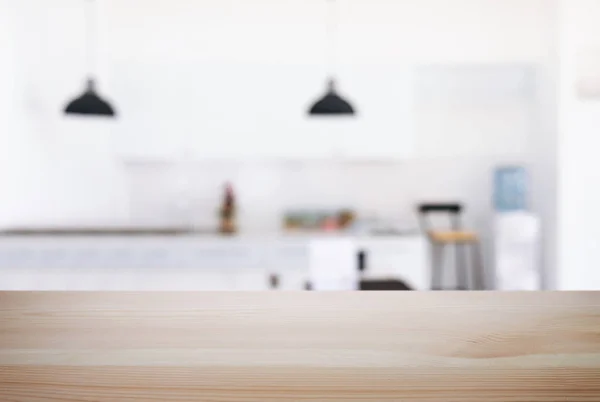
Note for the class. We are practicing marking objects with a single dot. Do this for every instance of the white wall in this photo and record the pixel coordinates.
(63, 171)
(143, 42)
(578, 138)
(543, 146)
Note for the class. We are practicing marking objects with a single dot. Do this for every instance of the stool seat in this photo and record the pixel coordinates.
(453, 236)
(469, 274)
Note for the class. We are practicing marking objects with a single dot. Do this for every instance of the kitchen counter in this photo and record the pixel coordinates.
(125, 231)
(180, 231)
(188, 261)
(251, 347)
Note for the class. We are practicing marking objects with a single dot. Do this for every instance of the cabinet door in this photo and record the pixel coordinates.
(249, 279)
(406, 259)
(261, 112)
(239, 80)
(282, 128)
(219, 78)
(384, 126)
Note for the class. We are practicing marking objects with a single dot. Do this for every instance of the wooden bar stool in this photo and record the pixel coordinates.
(469, 275)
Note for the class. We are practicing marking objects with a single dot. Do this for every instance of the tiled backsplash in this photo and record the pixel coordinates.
(170, 193)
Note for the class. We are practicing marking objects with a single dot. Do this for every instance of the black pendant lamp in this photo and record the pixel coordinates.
(89, 103)
(332, 104)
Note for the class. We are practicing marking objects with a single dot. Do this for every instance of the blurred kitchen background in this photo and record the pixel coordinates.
(212, 95)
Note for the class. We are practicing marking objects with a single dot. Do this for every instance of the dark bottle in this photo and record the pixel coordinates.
(228, 211)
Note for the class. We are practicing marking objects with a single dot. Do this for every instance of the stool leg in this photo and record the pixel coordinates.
(478, 266)
(437, 258)
(461, 266)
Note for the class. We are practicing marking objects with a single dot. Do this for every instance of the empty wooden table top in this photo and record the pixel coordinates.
(310, 346)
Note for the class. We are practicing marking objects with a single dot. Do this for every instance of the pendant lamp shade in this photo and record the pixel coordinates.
(90, 103)
(331, 103)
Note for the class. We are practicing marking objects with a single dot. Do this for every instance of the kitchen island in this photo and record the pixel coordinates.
(177, 259)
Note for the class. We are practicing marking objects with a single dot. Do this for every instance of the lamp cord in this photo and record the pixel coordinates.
(332, 25)
(91, 37)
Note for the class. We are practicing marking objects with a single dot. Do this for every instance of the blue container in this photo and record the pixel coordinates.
(510, 189)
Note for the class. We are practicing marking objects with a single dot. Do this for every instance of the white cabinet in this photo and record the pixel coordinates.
(487, 107)
(251, 111)
(188, 263)
(381, 129)
(238, 82)
(384, 125)
(404, 258)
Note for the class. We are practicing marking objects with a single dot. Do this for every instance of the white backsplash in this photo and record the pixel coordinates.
(175, 193)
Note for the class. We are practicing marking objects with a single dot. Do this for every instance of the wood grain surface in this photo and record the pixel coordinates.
(309, 346)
